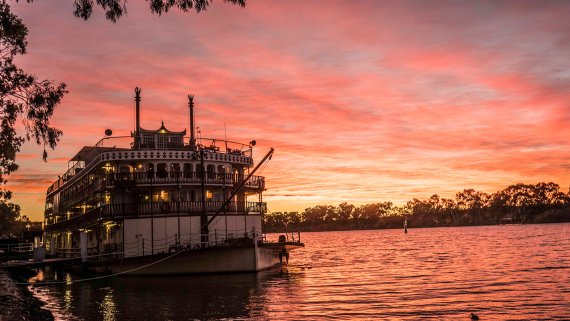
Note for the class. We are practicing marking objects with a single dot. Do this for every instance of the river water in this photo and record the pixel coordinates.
(512, 272)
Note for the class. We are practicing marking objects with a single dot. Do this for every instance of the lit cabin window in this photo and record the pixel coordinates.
(107, 198)
(108, 168)
(209, 195)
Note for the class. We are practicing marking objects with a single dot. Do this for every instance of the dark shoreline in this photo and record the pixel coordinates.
(16, 301)
(346, 229)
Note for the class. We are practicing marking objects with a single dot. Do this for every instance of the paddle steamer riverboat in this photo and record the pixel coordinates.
(163, 204)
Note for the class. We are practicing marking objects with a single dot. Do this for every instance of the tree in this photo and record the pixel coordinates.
(316, 217)
(419, 210)
(520, 198)
(22, 96)
(9, 214)
(472, 202)
(549, 194)
(449, 206)
(344, 212)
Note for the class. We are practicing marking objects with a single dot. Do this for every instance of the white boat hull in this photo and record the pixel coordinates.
(211, 260)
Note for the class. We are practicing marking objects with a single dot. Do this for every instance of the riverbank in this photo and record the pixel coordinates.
(16, 302)
(396, 223)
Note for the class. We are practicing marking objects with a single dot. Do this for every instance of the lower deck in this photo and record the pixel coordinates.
(136, 237)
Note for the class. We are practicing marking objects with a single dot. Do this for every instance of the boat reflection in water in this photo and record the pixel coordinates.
(212, 296)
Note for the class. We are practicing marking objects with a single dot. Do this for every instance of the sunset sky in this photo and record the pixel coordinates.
(363, 101)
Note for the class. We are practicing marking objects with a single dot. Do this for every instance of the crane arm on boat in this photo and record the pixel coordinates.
(240, 186)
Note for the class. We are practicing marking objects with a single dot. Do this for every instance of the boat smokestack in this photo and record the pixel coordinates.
(191, 107)
(137, 116)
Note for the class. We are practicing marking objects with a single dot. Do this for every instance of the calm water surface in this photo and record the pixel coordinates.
(516, 272)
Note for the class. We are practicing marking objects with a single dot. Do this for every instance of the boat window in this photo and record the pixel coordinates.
(148, 141)
(175, 141)
(107, 167)
(161, 170)
(161, 196)
(124, 169)
(107, 198)
(198, 171)
(221, 171)
(187, 170)
(150, 170)
(211, 170)
(175, 170)
(162, 141)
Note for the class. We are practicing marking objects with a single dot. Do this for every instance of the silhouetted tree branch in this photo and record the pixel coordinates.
(22, 96)
(115, 9)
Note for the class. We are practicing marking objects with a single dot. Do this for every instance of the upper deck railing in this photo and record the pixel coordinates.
(137, 210)
(207, 144)
(73, 196)
(155, 178)
(121, 147)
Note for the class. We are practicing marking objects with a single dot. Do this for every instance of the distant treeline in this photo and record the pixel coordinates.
(520, 203)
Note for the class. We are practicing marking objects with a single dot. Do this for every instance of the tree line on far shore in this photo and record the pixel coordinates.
(519, 203)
